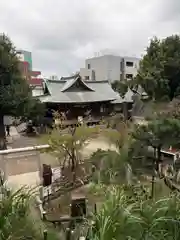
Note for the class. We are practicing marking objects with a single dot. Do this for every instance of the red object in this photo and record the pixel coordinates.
(35, 81)
(35, 73)
(173, 150)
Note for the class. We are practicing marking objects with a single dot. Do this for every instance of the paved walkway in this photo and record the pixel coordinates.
(29, 179)
(20, 163)
(14, 136)
(17, 140)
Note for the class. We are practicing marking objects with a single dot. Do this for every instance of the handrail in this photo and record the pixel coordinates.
(25, 149)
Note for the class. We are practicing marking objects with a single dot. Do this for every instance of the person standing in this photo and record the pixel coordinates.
(8, 130)
(7, 123)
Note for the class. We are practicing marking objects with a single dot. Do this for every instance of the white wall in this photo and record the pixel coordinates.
(37, 91)
(114, 68)
(99, 65)
(86, 72)
(108, 67)
(131, 70)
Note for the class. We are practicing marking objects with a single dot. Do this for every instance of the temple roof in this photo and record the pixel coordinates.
(75, 90)
(127, 98)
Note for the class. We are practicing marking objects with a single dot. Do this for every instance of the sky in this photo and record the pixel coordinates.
(61, 34)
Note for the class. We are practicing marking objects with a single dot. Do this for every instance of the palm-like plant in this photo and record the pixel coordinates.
(117, 165)
(15, 219)
(119, 218)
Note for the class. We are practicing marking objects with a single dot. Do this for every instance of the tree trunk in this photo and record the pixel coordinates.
(128, 174)
(2, 134)
(73, 161)
(125, 111)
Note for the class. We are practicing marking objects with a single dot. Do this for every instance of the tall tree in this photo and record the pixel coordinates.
(159, 133)
(159, 71)
(120, 87)
(15, 94)
(67, 147)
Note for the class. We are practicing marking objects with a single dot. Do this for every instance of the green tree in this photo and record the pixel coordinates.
(121, 163)
(157, 134)
(67, 145)
(35, 110)
(15, 94)
(159, 71)
(120, 87)
(172, 110)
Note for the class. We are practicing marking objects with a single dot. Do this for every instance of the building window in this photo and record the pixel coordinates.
(89, 66)
(86, 77)
(129, 64)
(129, 76)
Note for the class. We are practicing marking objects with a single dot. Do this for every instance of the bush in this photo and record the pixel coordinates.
(120, 218)
(15, 219)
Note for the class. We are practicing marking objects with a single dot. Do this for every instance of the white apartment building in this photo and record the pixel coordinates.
(110, 67)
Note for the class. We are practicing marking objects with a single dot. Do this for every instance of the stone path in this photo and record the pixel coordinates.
(30, 179)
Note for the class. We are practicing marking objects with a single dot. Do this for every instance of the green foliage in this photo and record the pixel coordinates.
(137, 192)
(172, 110)
(67, 146)
(159, 71)
(120, 87)
(35, 111)
(119, 164)
(110, 169)
(15, 220)
(120, 218)
(15, 93)
(157, 132)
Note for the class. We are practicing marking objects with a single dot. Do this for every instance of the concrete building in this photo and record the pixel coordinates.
(24, 68)
(25, 56)
(34, 78)
(110, 67)
(25, 64)
(37, 86)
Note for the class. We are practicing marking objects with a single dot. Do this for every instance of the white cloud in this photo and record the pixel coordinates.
(61, 34)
